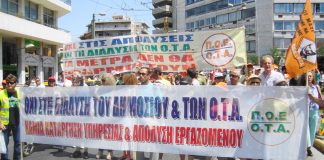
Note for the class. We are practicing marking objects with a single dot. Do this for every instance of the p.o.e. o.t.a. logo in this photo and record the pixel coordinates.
(218, 50)
(271, 122)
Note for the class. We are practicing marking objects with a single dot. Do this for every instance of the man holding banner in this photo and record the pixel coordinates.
(9, 116)
(269, 76)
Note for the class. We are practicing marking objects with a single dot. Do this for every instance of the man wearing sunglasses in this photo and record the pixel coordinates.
(144, 76)
(9, 116)
(234, 79)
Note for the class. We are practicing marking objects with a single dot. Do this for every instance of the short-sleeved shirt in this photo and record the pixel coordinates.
(13, 108)
(270, 79)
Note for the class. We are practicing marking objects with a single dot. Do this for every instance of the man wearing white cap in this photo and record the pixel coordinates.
(234, 79)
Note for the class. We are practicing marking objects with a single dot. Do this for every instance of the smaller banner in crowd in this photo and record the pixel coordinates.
(246, 122)
(301, 54)
(172, 52)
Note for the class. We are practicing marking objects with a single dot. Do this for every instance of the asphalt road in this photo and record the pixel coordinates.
(48, 152)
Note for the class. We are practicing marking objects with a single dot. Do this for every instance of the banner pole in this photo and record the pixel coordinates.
(21, 151)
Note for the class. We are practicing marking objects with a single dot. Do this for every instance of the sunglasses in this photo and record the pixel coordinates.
(232, 75)
(11, 83)
(143, 74)
(255, 83)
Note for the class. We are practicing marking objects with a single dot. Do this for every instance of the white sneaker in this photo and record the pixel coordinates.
(99, 155)
(108, 156)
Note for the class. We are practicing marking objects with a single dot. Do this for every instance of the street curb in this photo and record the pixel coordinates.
(319, 144)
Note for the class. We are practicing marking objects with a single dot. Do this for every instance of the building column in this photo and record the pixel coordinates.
(264, 32)
(1, 60)
(21, 8)
(55, 72)
(40, 14)
(55, 20)
(20, 43)
(40, 71)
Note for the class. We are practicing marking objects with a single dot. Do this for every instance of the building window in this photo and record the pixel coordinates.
(282, 42)
(197, 24)
(213, 20)
(289, 25)
(318, 7)
(319, 25)
(9, 6)
(211, 7)
(234, 2)
(31, 11)
(232, 17)
(283, 8)
(278, 25)
(298, 7)
(250, 29)
(48, 17)
(201, 23)
(207, 21)
(187, 26)
(247, 13)
(285, 25)
(222, 19)
(188, 2)
(250, 45)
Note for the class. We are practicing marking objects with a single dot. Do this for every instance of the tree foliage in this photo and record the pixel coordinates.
(276, 54)
(252, 58)
(320, 51)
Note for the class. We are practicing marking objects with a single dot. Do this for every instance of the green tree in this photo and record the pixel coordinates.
(253, 58)
(276, 54)
(320, 51)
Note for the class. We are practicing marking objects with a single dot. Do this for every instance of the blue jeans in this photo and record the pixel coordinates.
(312, 126)
(16, 137)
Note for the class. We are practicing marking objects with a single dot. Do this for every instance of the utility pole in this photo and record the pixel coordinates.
(166, 25)
(93, 26)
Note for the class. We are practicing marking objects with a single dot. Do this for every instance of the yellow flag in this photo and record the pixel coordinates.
(301, 54)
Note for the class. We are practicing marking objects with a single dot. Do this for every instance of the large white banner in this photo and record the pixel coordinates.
(246, 122)
(172, 52)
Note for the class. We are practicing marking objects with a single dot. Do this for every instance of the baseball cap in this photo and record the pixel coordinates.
(234, 73)
(218, 74)
(51, 78)
(249, 64)
(114, 72)
(254, 78)
(280, 82)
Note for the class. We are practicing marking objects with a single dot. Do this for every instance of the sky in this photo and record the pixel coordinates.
(81, 13)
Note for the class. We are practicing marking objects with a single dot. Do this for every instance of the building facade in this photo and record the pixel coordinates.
(118, 26)
(269, 24)
(30, 37)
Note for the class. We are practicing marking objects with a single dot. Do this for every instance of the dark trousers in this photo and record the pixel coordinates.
(16, 137)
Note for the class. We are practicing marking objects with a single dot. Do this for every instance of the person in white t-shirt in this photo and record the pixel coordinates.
(63, 82)
(269, 76)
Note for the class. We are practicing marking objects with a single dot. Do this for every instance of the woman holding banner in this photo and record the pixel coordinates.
(107, 79)
(314, 115)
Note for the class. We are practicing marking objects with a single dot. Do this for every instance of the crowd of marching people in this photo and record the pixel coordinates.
(269, 75)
